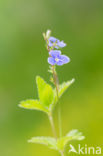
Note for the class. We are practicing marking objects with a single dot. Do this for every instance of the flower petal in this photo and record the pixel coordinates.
(59, 63)
(51, 60)
(50, 44)
(52, 39)
(55, 53)
(65, 59)
(61, 44)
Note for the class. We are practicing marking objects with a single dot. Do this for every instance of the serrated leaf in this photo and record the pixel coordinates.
(72, 135)
(75, 135)
(32, 104)
(62, 88)
(48, 141)
(45, 91)
(60, 143)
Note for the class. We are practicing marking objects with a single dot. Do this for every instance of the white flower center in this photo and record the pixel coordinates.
(56, 59)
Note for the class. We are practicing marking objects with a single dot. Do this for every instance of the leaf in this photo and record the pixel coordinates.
(72, 135)
(60, 143)
(75, 135)
(48, 141)
(45, 91)
(62, 88)
(32, 104)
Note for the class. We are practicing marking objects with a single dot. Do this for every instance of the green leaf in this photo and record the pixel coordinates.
(48, 141)
(75, 135)
(60, 143)
(45, 91)
(62, 88)
(72, 135)
(32, 104)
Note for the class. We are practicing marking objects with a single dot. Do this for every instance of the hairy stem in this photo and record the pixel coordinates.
(56, 82)
(52, 126)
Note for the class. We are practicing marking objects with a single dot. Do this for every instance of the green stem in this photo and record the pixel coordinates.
(56, 82)
(59, 120)
(52, 126)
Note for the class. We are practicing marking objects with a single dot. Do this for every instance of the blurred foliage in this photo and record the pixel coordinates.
(60, 143)
(23, 56)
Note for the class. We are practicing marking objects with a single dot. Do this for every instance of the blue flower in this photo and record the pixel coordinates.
(57, 58)
(56, 43)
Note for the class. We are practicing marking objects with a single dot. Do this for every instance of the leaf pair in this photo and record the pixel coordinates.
(60, 143)
(47, 96)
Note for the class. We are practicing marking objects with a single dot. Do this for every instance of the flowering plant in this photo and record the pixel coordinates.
(49, 96)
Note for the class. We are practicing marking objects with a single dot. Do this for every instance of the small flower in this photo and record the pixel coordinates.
(57, 58)
(54, 42)
(61, 44)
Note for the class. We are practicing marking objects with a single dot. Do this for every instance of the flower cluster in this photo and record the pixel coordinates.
(55, 57)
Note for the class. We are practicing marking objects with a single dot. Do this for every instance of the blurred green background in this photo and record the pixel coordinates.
(23, 56)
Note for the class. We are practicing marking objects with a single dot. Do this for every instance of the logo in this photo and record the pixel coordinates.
(85, 149)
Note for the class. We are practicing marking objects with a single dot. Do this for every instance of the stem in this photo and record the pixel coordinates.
(59, 120)
(50, 116)
(54, 131)
(56, 82)
(52, 125)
